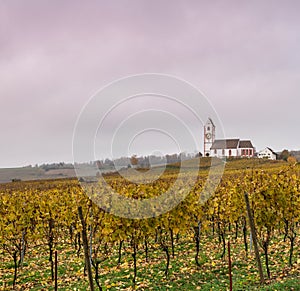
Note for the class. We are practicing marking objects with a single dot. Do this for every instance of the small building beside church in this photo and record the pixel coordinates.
(267, 153)
(225, 147)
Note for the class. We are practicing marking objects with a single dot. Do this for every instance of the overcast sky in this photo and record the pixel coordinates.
(54, 55)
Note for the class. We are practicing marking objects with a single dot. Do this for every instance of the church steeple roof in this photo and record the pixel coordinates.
(210, 120)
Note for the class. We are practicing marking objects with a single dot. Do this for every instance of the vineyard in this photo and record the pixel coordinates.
(52, 223)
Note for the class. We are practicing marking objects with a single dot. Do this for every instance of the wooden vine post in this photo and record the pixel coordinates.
(254, 238)
(55, 272)
(86, 249)
(229, 267)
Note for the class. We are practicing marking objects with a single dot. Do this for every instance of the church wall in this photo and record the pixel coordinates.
(231, 153)
(224, 153)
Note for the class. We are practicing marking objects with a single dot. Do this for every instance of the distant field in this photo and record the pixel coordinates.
(6, 175)
(31, 174)
(28, 174)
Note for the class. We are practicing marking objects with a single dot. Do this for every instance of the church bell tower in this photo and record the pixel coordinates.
(209, 136)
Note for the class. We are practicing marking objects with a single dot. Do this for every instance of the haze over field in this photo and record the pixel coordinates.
(54, 55)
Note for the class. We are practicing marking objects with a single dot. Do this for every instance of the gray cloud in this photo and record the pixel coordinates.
(55, 54)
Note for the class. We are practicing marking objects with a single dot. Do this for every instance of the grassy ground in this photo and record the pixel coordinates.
(183, 272)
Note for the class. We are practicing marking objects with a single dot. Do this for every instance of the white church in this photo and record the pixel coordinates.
(225, 147)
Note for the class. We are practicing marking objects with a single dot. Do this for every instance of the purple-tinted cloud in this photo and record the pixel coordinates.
(55, 54)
